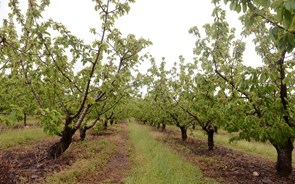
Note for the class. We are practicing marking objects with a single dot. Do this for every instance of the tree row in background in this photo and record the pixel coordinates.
(218, 90)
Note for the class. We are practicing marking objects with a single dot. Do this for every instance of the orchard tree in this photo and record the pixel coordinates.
(199, 98)
(158, 90)
(47, 60)
(259, 100)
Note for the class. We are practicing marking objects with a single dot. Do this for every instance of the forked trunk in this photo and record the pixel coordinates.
(210, 134)
(284, 158)
(183, 133)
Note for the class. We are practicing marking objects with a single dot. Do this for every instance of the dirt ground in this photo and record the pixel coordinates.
(28, 164)
(224, 164)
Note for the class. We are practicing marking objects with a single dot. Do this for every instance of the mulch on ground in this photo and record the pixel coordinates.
(224, 164)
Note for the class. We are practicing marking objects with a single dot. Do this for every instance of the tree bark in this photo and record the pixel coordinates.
(25, 119)
(183, 133)
(60, 147)
(105, 125)
(82, 133)
(163, 127)
(210, 134)
(158, 125)
(284, 158)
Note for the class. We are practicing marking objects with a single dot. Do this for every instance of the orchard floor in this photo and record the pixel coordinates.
(28, 164)
(223, 164)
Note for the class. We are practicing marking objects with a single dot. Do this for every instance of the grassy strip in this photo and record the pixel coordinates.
(157, 164)
(264, 150)
(97, 154)
(14, 137)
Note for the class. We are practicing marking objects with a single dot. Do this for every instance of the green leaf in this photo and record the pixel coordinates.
(276, 4)
(264, 3)
(244, 7)
(233, 5)
(290, 5)
(288, 19)
(238, 8)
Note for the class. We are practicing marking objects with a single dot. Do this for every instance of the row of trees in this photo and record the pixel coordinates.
(218, 90)
(38, 75)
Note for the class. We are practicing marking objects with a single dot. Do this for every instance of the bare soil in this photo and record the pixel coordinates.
(28, 164)
(224, 164)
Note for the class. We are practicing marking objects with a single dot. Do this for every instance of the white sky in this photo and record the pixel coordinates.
(164, 22)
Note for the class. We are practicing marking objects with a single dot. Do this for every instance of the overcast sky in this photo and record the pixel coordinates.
(164, 22)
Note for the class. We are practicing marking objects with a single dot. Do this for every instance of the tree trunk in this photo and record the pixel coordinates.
(183, 133)
(284, 158)
(158, 125)
(163, 127)
(105, 125)
(210, 134)
(25, 119)
(82, 133)
(112, 121)
(60, 147)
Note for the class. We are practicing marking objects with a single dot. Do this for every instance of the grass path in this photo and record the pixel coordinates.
(155, 163)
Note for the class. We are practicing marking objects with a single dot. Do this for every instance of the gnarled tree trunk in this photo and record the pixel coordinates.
(60, 147)
(284, 158)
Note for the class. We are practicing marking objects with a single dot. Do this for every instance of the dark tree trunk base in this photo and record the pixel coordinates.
(163, 129)
(82, 134)
(105, 125)
(183, 133)
(210, 134)
(57, 149)
(284, 159)
(25, 119)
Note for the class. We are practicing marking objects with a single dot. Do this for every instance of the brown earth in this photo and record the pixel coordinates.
(223, 164)
(28, 164)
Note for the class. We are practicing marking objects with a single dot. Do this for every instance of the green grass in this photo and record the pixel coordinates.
(154, 163)
(265, 150)
(96, 155)
(14, 137)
